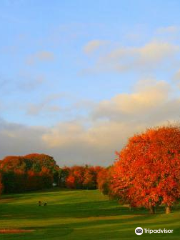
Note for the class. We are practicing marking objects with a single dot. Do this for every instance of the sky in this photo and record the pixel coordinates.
(78, 78)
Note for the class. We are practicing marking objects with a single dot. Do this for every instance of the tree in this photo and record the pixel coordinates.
(103, 180)
(78, 173)
(89, 178)
(63, 174)
(25, 173)
(79, 177)
(70, 181)
(1, 186)
(147, 171)
(40, 161)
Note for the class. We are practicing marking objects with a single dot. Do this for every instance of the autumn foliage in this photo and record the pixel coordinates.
(147, 170)
(27, 173)
(104, 179)
(79, 177)
(39, 171)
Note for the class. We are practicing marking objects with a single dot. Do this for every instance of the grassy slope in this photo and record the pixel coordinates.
(79, 215)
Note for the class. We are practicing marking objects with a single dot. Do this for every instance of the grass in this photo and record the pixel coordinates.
(81, 215)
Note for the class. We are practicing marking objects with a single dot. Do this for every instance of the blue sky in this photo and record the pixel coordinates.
(80, 77)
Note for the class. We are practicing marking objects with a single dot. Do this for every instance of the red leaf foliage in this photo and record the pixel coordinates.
(147, 170)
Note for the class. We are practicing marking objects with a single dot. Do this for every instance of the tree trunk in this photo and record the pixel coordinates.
(151, 208)
(168, 209)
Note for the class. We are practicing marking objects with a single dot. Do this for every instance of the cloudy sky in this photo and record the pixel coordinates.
(77, 78)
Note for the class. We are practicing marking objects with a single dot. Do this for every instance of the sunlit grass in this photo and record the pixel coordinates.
(79, 215)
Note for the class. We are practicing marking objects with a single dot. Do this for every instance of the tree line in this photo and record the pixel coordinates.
(40, 171)
(146, 172)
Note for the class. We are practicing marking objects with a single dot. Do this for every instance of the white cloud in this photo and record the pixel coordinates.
(176, 78)
(168, 30)
(148, 96)
(64, 134)
(106, 129)
(20, 139)
(153, 55)
(156, 52)
(177, 75)
(43, 56)
(147, 56)
(93, 45)
(48, 104)
(114, 121)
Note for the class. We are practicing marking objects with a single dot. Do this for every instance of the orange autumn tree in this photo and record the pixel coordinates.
(26, 173)
(79, 177)
(147, 171)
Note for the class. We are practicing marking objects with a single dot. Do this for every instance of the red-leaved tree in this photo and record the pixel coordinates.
(26, 173)
(147, 171)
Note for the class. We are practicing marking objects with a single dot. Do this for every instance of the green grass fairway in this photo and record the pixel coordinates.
(81, 215)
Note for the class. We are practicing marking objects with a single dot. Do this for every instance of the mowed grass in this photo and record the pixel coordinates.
(81, 215)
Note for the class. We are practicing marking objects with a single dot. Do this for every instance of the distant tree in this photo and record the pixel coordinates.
(78, 173)
(1, 185)
(38, 161)
(79, 177)
(147, 171)
(63, 174)
(13, 170)
(70, 182)
(27, 173)
(90, 181)
(104, 180)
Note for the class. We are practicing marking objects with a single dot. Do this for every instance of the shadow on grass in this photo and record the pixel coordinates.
(75, 210)
(101, 229)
